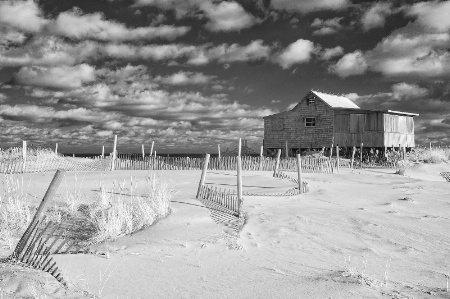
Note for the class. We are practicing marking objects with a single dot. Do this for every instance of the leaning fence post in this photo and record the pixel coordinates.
(56, 148)
(337, 158)
(353, 155)
(203, 177)
(277, 164)
(151, 149)
(114, 153)
(54, 184)
(239, 184)
(299, 172)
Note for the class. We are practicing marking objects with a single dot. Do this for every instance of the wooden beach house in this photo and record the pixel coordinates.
(321, 120)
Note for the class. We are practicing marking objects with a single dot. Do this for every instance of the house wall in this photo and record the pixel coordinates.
(290, 126)
(373, 129)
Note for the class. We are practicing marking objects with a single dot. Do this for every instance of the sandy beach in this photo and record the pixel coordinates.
(358, 234)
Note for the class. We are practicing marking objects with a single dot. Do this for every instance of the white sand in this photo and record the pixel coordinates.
(290, 247)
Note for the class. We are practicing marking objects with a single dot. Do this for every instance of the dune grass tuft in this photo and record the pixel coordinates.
(15, 213)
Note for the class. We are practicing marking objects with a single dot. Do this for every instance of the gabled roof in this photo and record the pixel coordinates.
(335, 101)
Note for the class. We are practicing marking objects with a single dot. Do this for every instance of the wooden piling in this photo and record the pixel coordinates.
(337, 158)
(361, 154)
(203, 177)
(353, 156)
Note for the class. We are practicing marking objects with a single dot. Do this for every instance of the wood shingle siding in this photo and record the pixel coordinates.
(338, 121)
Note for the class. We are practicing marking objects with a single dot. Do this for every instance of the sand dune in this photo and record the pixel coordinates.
(358, 234)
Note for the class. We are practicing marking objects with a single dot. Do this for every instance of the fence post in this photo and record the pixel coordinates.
(337, 158)
(143, 153)
(430, 145)
(239, 184)
(24, 154)
(218, 150)
(56, 148)
(353, 155)
(203, 177)
(331, 151)
(239, 148)
(103, 152)
(277, 164)
(151, 149)
(286, 153)
(299, 172)
(261, 157)
(114, 153)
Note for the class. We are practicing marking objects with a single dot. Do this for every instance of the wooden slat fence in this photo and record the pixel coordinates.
(223, 206)
(446, 175)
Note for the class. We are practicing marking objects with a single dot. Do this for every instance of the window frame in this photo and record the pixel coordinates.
(312, 122)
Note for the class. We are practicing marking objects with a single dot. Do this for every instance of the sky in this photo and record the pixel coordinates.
(191, 74)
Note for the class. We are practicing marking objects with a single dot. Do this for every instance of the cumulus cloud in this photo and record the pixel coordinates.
(376, 15)
(185, 78)
(328, 53)
(48, 51)
(299, 51)
(225, 53)
(22, 15)
(350, 64)
(75, 25)
(432, 14)
(306, 6)
(325, 27)
(405, 90)
(227, 16)
(56, 77)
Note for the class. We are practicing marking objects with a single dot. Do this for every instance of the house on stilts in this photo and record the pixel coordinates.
(321, 120)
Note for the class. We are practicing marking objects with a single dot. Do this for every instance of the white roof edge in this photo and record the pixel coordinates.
(405, 113)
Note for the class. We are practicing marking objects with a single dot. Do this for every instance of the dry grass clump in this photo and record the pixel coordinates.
(426, 155)
(403, 166)
(116, 212)
(15, 213)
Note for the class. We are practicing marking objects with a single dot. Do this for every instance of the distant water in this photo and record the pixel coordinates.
(140, 155)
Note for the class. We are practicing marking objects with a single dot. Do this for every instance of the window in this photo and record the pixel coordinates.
(310, 100)
(310, 122)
